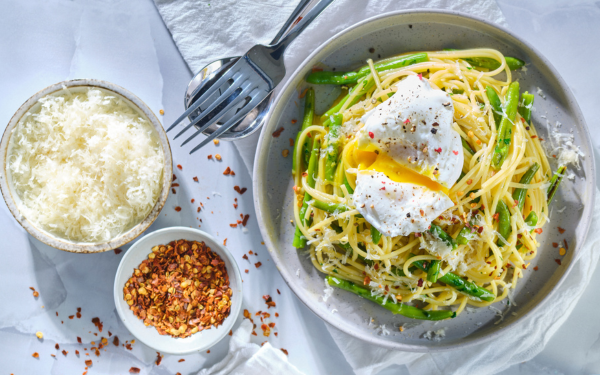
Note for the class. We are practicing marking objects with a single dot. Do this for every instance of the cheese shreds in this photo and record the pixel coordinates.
(85, 165)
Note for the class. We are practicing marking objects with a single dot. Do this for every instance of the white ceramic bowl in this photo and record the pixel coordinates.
(149, 335)
(12, 200)
(391, 34)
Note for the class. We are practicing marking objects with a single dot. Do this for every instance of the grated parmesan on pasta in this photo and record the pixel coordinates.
(85, 165)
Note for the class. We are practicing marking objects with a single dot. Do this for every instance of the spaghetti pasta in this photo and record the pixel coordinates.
(482, 266)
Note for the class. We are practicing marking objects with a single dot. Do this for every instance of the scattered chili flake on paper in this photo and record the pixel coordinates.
(79, 339)
(269, 301)
(35, 355)
(561, 230)
(97, 323)
(177, 208)
(134, 370)
(158, 359)
(179, 167)
(116, 341)
(88, 362)
(195, 179)
(118, 251)
(285, 351)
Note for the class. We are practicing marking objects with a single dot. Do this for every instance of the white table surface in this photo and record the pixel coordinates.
(126, 42)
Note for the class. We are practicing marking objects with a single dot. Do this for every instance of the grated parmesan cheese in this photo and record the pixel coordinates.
(85, 165)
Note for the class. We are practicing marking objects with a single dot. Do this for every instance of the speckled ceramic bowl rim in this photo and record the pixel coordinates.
(260, 171)
(65, 244)
(127, 317)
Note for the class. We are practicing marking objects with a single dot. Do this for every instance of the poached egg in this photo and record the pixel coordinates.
(408, 156)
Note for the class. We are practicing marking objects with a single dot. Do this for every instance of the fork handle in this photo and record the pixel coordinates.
(280, 47)
(291, 21)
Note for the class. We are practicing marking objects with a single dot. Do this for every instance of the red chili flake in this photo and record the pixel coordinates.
(177, 208)
(294, 121)
(561, 230)
(418, 235)
(407, 121)
(455, 152)
(554, 244)
(566, 244)
(420, 283)
(277, 315)
(315, 68)
(71, 316)
(78, 340)
(117, 251)
(371, 135)
(35, 355)
(195, 179)
(438, 150)
(173, 190)
(285, 351)
(251, 252)
(257, 264)
(64, 352)
(158, 359)
(97, 323)
(533, 136)
(480, 230)
(278, 132)
(77, 352)
(278, 292)
(245, 256)
(179, 166)
(234, 225)
(558, 261)
(538, 230)
(175, 185)
(420, 76)
(227, 171)
(78, 315)
(198, 210)
(208, 351)
(245, 221)
(383, 188)
(116, 341)
(535, 268)
(134, 370)
(209, 156)
(56, 346)
(246, 271)
(174, 177)
(225, 242)
(272, 325)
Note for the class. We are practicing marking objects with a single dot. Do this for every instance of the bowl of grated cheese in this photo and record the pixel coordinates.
(86, 166)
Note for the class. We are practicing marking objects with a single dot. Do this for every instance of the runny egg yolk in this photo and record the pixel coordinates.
(381, 162)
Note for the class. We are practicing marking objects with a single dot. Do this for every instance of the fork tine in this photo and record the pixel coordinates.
(211, 90)
(228, 95)
(229, 124)
(241, 96)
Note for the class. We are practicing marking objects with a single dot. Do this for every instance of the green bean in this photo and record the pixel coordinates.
(492, 64)
(309, 112)
(332, 147)
(389, 304)
(495, 103)
(443, 236)
(504, 227)
(364, 87)
(531, 220)
(505, 129)
(434, 269)
(555, 181)
(332, 78)
(341, 78)
(299, 239)
(525, 106)
(467, 146)
(347, 184)
(520, 193)
(375, 235)
(458, 283)
(464, 236)
(332, 208)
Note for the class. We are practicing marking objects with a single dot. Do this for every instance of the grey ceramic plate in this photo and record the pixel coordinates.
(391, 34)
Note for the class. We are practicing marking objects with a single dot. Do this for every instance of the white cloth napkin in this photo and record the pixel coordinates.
(247, 358)
(204, 33)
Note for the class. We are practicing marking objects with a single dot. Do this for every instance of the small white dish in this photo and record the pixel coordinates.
(148, 334)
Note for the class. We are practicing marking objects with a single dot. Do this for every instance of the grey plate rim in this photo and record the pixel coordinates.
(259, 171)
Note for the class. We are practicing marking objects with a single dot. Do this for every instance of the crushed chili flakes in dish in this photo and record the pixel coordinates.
(182, 288)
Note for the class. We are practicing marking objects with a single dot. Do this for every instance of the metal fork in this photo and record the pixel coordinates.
(251, 79)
